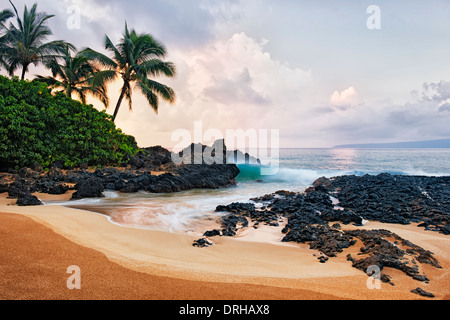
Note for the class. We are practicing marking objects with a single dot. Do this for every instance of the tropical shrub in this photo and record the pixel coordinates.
(38, 127)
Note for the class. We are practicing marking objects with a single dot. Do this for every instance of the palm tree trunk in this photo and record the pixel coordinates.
(122, 94)
(69, 91)
(24, 70)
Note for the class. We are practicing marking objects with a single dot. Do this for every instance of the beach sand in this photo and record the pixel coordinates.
(116, 262)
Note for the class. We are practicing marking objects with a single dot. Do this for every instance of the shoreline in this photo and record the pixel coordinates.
(244, 261)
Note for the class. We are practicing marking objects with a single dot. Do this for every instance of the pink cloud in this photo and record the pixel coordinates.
(344, 99)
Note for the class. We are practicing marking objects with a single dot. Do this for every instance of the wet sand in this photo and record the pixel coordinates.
(116, 262)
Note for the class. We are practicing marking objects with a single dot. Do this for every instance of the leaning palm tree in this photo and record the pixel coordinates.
(4, 16)
(25, 44)
(73, 74)
(136, 59)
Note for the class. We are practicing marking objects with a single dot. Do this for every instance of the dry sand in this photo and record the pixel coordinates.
(116, 262)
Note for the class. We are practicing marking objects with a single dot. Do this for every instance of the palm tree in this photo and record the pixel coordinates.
(25, 43)
(73, 74)
(4, 16)
(136, 59)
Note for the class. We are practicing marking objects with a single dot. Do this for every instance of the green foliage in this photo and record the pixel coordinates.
(36, 126)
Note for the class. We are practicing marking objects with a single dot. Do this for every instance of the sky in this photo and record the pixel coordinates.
(319, 72)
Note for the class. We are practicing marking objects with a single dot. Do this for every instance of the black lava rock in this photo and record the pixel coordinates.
(211, 233)
(18, 188)
(28, 200)
(90, 188)
(396, 199)
(201, 243)
(58, 188)
(422, 292)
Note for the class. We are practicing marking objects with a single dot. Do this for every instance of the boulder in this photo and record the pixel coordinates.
(59, 164)
(322, 182)
(55, 174)
(4, 187)
(27, 173)
(36, 167)
(58, 188)
(150, 158)
(28, 200)
(90, 188)
(18, 188)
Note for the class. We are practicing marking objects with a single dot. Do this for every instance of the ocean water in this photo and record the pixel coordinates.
(193, 211)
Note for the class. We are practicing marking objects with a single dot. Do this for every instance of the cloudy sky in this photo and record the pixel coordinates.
(317, 71)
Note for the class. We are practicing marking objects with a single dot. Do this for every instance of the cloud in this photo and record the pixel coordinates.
(178, 23)
(424, 117)
(236, 83)
(445, 107)
(344, 99)
(229, 83)
(438, 91)
(235, 90)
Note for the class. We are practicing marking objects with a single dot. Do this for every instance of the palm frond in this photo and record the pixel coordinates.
(19, 21)
(167, 93)
(101, 93)
(100, 58)
(110, 46)
(102, 78)
(50, 81)
(156, 68)
(4, 16)
(148, 47)
(151, 97)
(54, 47)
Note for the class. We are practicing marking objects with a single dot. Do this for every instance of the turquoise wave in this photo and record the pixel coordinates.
(249, 172)
(254, 172)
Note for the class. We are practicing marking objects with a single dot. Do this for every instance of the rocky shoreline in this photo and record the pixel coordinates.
(151, 170)
(318, 217)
